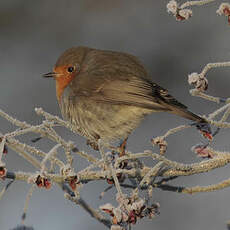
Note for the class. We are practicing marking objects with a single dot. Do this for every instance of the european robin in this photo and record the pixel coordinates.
(106, 94)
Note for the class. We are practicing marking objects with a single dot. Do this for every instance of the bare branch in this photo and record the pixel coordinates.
(95, 214)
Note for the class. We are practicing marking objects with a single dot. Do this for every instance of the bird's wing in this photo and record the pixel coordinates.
(133, 91)
(119, 78)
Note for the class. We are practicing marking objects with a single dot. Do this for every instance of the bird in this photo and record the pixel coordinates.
(106, 94)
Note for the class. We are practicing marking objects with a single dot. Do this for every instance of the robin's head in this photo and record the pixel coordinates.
(67, 67)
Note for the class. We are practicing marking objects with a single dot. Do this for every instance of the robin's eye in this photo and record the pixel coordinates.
(70, 69)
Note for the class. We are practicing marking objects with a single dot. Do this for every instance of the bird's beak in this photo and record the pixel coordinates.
(50, 74)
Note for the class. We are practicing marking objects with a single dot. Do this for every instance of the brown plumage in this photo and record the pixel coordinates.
(106, 94)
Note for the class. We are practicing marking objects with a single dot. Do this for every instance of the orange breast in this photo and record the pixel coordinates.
(63, 80)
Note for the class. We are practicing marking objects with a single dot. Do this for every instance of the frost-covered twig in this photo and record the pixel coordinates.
(110, 167)
(181, 12)
(184, 11)
(95, 214)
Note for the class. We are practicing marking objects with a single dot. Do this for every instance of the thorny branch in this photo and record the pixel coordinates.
(113, 169)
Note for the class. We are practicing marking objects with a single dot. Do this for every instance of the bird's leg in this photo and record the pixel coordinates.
(122, 147)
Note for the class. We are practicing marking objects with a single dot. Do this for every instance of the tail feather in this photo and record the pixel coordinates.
(175, 107)
(189, 115)
(201, 123)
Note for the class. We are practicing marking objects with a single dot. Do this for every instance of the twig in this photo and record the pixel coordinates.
(226, 115)
(174, 164)
(175, 130)
(195, 189)
(95, 214)
(213, 65)
(68, 146)
(219, 124)
(153, 171)
(24, 131)
(116, 181)
(13, 120)
(86, 156)
(21, 152)
(29, 194)
(56, 119)
(104, 168)
(197, 93)
(5, 188)
(218, 111)
(110, 167)
(51, 153)
(195, 3)
(99, 163)
(195, 168)
(2, 146)
(45, 132)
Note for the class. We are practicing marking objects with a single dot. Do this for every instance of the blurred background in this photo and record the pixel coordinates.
(34, 33)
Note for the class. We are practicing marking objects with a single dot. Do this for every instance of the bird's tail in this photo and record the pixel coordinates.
(200, 122)
(189, 115)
